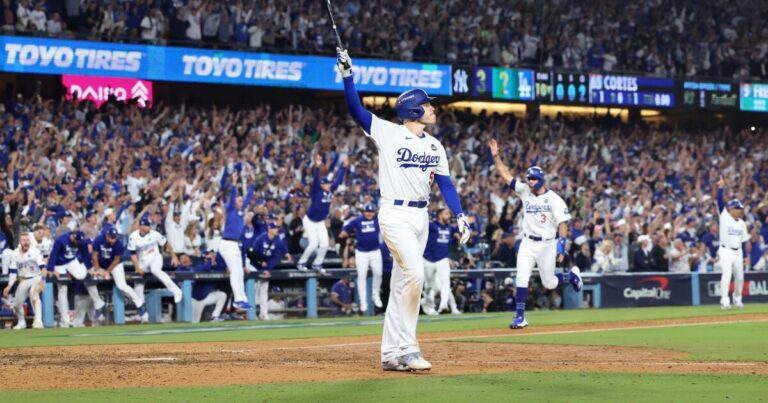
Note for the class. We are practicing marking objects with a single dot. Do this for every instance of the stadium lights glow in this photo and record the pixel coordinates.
(553, 110)
(489, 107)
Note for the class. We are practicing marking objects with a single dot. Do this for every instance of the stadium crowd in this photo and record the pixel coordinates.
(664, 37)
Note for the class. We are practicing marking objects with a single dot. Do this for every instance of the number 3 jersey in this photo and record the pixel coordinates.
(541, 214)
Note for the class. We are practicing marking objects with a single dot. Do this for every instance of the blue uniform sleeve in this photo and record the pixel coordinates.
(450, 195)
(249, 196)
(360, 114)
(55, 251)
(315, 180)
(224, 177)
(351, 225)
(338, 179)
(232, 196)
(720, 200)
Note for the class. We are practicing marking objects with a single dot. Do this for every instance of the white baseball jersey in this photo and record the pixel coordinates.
(407, 162)
(541, 214)
(43, 246)
(147, 246)
(29, 263)
(732, 232)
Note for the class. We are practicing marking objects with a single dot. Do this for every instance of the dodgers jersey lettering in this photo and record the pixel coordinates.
(366, 233)
(732, 232)
(407, 162)
(541, 214)
(440, 237)
(27, 264)
(145, 246)
(107, 253)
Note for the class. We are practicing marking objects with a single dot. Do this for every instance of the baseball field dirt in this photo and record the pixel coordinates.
(344, 358)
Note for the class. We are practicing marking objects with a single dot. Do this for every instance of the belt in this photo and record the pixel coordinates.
(728, 247)
(537, 238)
(406, 203)
(231, 239)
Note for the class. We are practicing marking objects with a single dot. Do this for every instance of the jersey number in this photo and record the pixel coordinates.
(543, 219)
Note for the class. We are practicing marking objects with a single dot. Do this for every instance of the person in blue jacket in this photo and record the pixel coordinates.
(264, 254)
(367, 254)
(204, 293)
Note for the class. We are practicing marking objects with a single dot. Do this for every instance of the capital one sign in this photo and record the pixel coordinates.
(98, 89)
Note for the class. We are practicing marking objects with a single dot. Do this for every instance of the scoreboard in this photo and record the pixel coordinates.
(562, 88)
(503, 83)
(624, 90)
(754, 97)
(708, 94)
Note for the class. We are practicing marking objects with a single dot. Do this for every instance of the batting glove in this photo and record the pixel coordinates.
(343, 62)
(464, 228)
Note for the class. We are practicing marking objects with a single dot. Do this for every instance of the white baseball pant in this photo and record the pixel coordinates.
(542, 254)
(78, 271)
(442, 270)
(262, 298)
(731, 263)
(233, 258)
(317, 235)
(83, 308)
(405, 230)
(118, 275)
(217, 298)
(365, 260)
(430, 285)
(154, 264)
(29, 288)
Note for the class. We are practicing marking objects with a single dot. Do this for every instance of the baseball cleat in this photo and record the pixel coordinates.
(518, 323)
(576, 278)
(145, 318)
(414, 362)
(725, 306)
(177, 296)
(217, 319)
(142, 310)
(456, 312)
(319, 268)
(393, 365)
(377, 301)
(37, 325)
(242, 306)
(21, 325)
(739, 305)
(101, 313)
(301, 267)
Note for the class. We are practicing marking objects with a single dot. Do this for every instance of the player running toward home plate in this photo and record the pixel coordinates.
(733, 253)
(409, 161)
(545, 217)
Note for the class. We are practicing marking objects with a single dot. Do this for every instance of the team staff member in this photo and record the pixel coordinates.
(229, 248)
(314, 222)
(204, 293)
(545, 216)
(265, 253)
(64, 259)
(734, 248)
(107, 257)
(409, 161)
(27, 264)
(436, 263)
(367, 254)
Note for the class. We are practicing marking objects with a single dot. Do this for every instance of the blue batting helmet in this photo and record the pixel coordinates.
(369, 208)
(735, 203)
(535, 172)
(408, 104)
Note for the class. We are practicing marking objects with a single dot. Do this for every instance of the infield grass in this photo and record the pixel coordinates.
(504, 387)
(338, 327)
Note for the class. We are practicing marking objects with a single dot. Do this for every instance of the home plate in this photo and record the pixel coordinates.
(151, 359)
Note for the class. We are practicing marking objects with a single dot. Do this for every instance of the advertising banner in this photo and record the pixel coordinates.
(52, 56)
(646, 290)
(98, 89)
(755, 288)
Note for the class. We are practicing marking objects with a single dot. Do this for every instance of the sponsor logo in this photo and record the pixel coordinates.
(99, 89)
(381, 76)
(653, 293)
(236, 68)
(460, 85)
(750, 288)
(72, 57)
(421, 161)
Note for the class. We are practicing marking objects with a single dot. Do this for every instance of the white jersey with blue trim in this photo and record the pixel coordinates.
(543, 213)
(732, 231)
(407, 162)
(29, 263)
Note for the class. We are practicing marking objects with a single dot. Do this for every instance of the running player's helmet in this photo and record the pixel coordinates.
(735, 203)
(537, 173)
(408, 104)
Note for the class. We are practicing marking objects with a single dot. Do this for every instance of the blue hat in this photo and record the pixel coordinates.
(325, 181)
(690, 220)
(369, 208)
(79, 236)
(272, 226)
(111, 231)
(145, 221)
(276, 289)
(735, 203)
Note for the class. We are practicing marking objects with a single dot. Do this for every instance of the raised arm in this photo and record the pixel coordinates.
(720, 195)
(501, 168)
(360, 114)
(340, 174)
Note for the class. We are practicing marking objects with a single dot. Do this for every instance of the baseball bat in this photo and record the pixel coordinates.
(335, 30)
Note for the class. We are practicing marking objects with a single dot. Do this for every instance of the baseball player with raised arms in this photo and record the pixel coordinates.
(107, 257)
(367, 254)
(144, 244)
(409, 161)
(314, 222)
(29, 267)
(63, 260)
(229, 248)
(436, 264)
(545, 217)
(733, 254)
